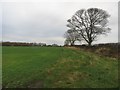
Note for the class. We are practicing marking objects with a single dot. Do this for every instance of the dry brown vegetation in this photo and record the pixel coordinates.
(109, 49)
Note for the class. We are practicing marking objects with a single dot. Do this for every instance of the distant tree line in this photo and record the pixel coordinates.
(24, 44)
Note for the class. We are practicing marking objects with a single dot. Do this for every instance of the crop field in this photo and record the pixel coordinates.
(57, 67)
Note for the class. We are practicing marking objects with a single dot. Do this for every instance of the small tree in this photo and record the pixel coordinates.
(71, 36)
(89, 23)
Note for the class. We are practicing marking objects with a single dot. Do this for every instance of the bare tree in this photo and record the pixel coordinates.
(71, 36)
(67, 42)
(89, 23)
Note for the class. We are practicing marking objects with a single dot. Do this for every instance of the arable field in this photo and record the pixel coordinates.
(57, 67)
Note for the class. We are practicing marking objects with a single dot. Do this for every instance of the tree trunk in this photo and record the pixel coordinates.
(72, 43)
(89, 44)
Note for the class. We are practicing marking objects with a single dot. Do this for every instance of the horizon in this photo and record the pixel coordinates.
(54, 43)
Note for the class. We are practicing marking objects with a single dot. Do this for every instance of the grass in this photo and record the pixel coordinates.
(0, 67)
(57, 67)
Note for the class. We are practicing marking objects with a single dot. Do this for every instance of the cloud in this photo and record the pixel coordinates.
(46, 22)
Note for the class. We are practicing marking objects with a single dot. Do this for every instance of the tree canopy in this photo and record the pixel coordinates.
(88, 24)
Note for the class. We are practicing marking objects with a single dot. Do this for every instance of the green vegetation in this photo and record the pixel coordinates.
(57, 67)
(0, 66)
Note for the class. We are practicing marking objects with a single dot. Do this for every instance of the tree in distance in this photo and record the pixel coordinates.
(71, 36)
(88, 25)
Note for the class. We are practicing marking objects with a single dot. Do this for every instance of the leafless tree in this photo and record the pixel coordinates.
(89, 23)
(71, 36)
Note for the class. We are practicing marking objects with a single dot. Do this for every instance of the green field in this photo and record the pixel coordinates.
(0, 67)
(53, 67)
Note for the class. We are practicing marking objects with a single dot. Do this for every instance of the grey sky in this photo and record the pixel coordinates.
(119, 21)
(46, 21)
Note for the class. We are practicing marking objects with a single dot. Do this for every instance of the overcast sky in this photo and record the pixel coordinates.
(46, 21)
